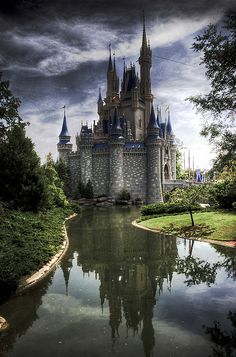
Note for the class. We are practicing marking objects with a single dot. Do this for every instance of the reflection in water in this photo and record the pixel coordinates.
(131, 271)
(134, 269)
(224, 342)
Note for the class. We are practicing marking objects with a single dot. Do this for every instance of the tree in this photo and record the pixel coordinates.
(219, 52)
(180, 174)
(9, 116)
(21, 181)
(189, 197)
(54, 185)
(63, 172)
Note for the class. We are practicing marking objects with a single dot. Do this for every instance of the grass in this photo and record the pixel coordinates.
(27, 242)
(217, 225)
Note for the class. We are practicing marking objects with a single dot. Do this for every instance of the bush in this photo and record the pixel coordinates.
(124, 195)
(234, 206)
(166, 208)
(223, 194)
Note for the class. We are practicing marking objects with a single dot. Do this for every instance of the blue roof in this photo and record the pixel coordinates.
(100, 146)
(152, 121)
(134, 145)
(169, 127)
(64, 129)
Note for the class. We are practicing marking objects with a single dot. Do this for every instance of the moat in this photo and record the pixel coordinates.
(123, 291)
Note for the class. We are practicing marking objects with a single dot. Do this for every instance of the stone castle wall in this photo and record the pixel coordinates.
(114, 167)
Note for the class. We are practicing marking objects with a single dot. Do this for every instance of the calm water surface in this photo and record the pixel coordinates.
(124, 291)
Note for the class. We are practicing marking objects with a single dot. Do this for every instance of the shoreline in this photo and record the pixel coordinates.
(229, 244)
(28, 281)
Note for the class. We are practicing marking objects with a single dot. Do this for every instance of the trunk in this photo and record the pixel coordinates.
(191, 215)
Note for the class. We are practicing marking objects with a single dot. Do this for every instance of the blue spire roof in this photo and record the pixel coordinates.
(168, 126)
(153, 124)
(64, 129)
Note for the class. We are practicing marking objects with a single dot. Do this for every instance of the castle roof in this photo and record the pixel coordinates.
(64, 129)
(169, 126)
(153, 124)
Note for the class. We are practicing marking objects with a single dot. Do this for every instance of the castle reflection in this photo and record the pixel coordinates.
(132, 269)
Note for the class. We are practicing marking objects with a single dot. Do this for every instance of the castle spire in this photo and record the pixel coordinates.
(110, 68)
(144, 41)
(153, 123)
(168, 125)
(64, 129)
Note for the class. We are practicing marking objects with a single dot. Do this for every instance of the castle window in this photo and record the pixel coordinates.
(140, 123)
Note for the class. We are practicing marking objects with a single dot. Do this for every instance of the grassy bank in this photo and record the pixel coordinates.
(217, 225)
(27, 242)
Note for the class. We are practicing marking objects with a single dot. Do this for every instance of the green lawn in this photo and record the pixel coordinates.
(218, 225)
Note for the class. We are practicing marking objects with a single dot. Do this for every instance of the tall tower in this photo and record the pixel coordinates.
(153, 143)
(112, 79)
(145, 61)
(116, 144)
(64, 145)
(173, 148)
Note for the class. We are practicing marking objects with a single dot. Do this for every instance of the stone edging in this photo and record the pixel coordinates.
(229, 244)
(28, 281)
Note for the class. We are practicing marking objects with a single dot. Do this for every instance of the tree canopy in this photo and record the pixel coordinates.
(218, 49)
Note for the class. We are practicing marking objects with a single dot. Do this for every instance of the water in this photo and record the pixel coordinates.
(124, 291)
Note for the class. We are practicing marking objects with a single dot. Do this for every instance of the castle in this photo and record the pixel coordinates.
(129, 147)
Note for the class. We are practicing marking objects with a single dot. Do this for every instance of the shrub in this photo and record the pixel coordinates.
(124, 195)
(168, 207)
(234, 206)
(223, 194)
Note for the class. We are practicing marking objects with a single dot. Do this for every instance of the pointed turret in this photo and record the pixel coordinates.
(169, 126)
(100, 102)
(153, 127)
(144, 40)
(64, 129)
(64, 145)
(110, 68)
(145, 61)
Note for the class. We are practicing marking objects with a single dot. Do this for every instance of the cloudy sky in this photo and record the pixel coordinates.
(55, 53)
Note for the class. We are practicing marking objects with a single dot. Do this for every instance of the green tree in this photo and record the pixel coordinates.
(9, 116)
(63, 172)
(180, 174)
(54, 185)
(21, 181)
(218, 49)
(189, 197)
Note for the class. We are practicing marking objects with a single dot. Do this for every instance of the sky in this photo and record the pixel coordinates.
(55, 53)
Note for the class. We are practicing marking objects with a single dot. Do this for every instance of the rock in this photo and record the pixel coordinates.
(101, 199)
(3, 324)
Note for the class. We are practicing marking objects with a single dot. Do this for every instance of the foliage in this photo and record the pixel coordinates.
(223, 193)
(168, 207)
(63, 172)
(224, 341)
(124, 195)
(189, 197)
(219, 52)
(85, 191)
(55, 196)
(88, 190)
(9, 116)
(180, 174)
(21, 181)
(27, 242)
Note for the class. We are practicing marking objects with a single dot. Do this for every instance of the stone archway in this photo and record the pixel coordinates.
(166, 172)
